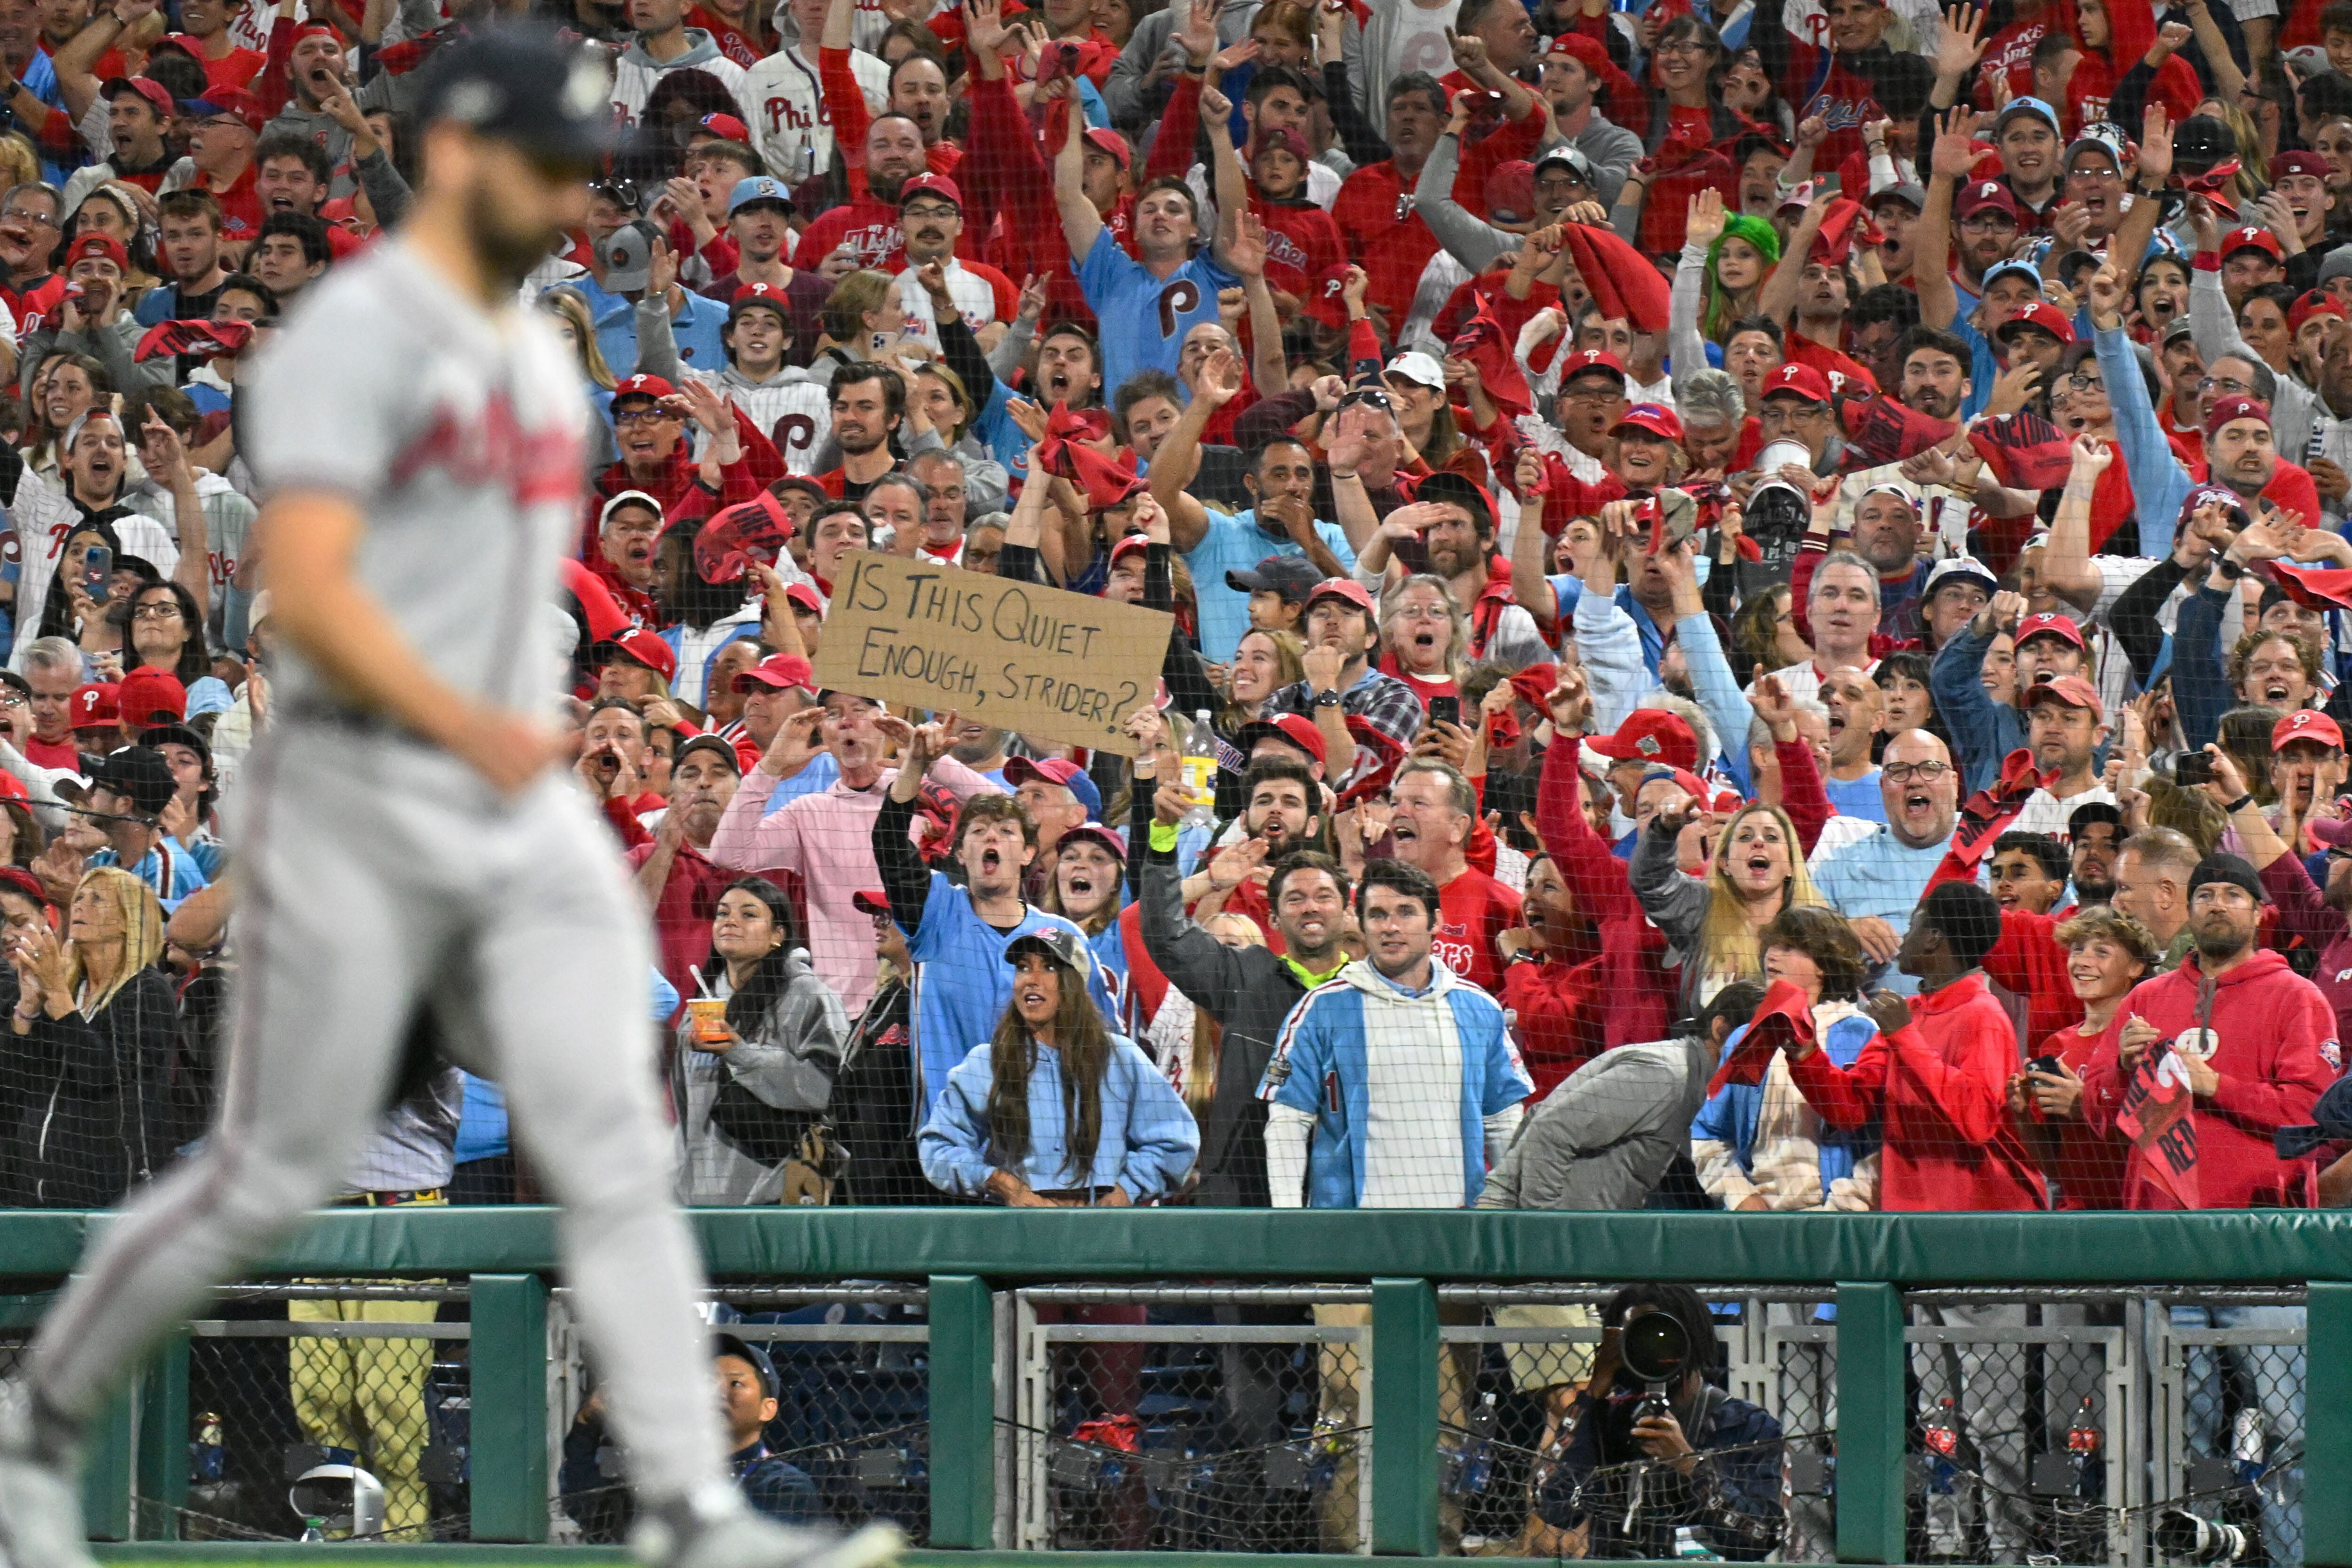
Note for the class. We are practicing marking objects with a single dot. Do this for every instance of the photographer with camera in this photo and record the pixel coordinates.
(1651, 1449)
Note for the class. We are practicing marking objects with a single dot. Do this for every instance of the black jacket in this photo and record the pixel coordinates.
(94, 1119)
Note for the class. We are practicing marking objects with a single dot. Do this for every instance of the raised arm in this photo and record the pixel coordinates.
(1081, 224)
(2066, 557)
(1178, 457)
(1949, 161)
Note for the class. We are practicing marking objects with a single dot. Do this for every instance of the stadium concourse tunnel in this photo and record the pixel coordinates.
(1238, 1385)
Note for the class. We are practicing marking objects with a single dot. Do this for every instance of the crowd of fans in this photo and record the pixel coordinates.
(1650, 506)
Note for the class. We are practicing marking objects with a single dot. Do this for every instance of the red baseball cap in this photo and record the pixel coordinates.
(1290, 729)
(2049, 624)
(148, 88)
(2307, 724)
(1591, 52)
(805, 597)
(2041, 314)
(2226, 409)
(1980, 194)
(1653, 735)
(2072, 690)
(761, 293)
(1511, 191)
(778, 672)
(1346, 588)
(2286, 163)
(1112, 142)
(654, 387)
(1585, 359)
(2253, 237)
(1648, 416)
(148, 691)
(105, 248)
(645, 647)
(1129, 544)
(96, 704)
(870, 901)
(1327, 301)
(727, 128)
(235, 104)
(1798, 381)
(2313, 304)
(938, 185)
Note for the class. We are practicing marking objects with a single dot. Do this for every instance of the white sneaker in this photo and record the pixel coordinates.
(716, 1533)
(40, 1494)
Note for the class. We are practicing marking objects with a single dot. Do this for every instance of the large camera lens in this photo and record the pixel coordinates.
(2186, 1537)
(1654, 1345)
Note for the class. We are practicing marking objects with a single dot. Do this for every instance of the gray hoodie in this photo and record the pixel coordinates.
(1605, 1135)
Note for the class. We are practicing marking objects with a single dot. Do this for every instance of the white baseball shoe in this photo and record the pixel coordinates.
(40, 1492)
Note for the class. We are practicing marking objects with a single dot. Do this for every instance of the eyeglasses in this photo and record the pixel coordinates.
(11, 697)
(1682, 47)
(1915, 772)
(29, 215)
(1592, 393)
(654, 415)
(1377, 397)
(2084, 380)
(2223, 384)
(1558, 185)
(165, 611)
(927, 211)
(620, 192)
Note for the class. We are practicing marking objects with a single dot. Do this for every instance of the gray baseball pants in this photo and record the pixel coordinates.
(376, 876)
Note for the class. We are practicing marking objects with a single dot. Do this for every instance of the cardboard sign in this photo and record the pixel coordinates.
(1039, 661)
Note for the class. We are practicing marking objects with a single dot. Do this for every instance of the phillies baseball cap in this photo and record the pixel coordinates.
(147, 692)
(1983, 196)
(1650, 418)
(641, 645)
(725, 127)
(2307, 724)
(1960, 569)
(2313, 304)
(1327, 301)
(522, 84)
(1281, 136)
(1059, 943)
(1650, 735)
(1292, 575)
(870, 901)
(1057, 770)
(1585, 361)
(1093, 833)
(1579, 167)
(1510, 192)
(938, 185)
(95, 705)
(1419, 369)
(230, 103)
(1796, 380)
(778, 672)
(2253, 237)
(2226, 409)
(1346, 588)
(2032, 106)
(754, 188)
(2049, 624)
(1112, 142)
(1292, 729)
(2040, 314)
(717, 745)
(644, 386)
(799, 595)
(765, 295)
(101, 248)
(157, 95)
(2072, 690)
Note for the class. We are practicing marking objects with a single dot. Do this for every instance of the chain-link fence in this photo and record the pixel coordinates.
(849, 1441)
(288, 1380)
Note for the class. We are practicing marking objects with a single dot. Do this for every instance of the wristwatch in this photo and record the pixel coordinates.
(1328, 699)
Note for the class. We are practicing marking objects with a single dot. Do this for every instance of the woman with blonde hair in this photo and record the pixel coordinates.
(20, 163)
(578, 327)
(1424, 637)
(863, 305)
(1714, 923)
(95, 1023)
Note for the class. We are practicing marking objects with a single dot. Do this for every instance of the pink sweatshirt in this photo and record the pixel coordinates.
(827, 840)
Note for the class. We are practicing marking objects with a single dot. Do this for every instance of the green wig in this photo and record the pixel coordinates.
(1759, 235)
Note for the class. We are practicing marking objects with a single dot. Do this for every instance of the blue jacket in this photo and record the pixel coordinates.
(2158, 483)
(700, 329)
(1983, 731)
(1729, 1116)
(1321, 1070)
(1148, 1143)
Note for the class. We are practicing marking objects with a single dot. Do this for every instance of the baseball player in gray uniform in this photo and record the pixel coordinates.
(405, 843)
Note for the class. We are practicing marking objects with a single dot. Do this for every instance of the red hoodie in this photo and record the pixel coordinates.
(1558, 1004)
(2277, 1052)
(1941, 1084)
(2027, 959)
(1639, 992)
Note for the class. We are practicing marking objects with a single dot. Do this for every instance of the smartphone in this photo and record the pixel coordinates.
(2193, 768)
(97, 570)
(1445, 710)
(2048, 1064)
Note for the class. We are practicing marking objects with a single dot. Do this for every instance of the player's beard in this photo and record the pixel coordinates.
(506, 248)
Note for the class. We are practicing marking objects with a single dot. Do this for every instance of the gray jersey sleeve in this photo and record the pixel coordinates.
(334, 400)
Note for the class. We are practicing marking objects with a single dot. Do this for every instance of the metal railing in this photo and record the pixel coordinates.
(1412, 1270)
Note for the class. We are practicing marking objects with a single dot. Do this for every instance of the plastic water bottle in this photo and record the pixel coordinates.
(208, 1454)
(2248, 1450)
(2083, 1441)
(1200, 771)
(1478, 1461)
(1941, 1438)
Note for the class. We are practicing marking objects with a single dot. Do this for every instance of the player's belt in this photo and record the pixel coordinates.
(330, 716)
(391, 1199)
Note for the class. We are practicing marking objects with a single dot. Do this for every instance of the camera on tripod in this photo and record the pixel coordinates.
(2186, 1537)
(1656, 1351)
